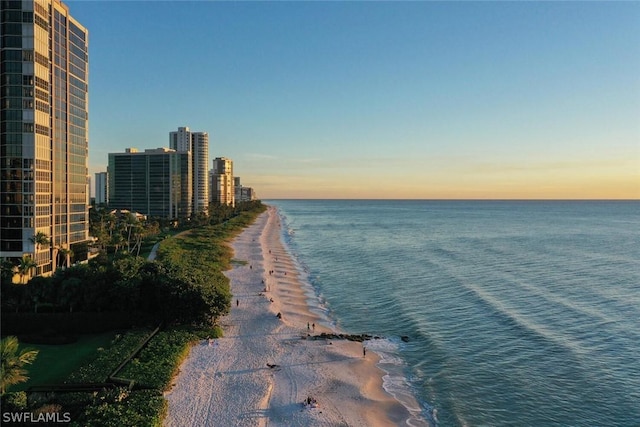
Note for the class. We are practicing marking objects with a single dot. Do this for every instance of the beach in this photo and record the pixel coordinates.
(266, 366)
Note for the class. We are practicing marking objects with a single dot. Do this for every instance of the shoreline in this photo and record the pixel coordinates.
(263, 369)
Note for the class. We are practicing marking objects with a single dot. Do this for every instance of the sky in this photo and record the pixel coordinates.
(378, 100)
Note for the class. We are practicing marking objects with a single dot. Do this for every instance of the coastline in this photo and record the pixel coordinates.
(263, 369)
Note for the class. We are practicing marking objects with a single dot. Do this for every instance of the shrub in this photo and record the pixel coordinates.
(100, 368)
(160, 359)
(121, 408)
(14, 401)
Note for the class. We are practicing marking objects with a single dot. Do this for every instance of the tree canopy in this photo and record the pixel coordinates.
(185, 284)
(13, 361)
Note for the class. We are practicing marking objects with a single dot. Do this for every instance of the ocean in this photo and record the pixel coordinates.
(515, 313)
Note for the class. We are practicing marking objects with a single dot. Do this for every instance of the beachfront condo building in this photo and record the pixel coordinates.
(242, 194)
(101, 188)
(221, 182)
(44, 191)
(156, 182)
(197, 143)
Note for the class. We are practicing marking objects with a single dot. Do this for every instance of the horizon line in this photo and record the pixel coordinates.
(450, 200)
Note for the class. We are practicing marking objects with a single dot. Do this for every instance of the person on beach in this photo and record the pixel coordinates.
(314, 327)
(237, 303)
(364, 351)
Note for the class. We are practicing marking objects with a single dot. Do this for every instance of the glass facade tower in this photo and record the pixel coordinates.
(197, 143)
(102, 188)
(156, 182)
(44, 134)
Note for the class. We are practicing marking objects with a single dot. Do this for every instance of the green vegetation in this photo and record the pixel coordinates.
(122, 408)
(99, 369)
(56, 362)
(151, 372)
(13, 362)
(183, 289)
(156, 364)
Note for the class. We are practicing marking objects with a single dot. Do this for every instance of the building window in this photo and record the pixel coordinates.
(27, 55)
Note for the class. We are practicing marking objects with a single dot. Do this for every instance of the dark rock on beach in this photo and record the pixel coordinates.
(349, 337)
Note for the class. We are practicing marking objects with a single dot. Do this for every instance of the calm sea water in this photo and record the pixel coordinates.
(518, 313)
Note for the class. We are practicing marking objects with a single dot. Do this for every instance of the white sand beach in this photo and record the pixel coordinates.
(229, 382)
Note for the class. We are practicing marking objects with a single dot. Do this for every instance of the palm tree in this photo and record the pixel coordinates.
(24, 268)
(117, 240)
(6, 271)
(62, 252)
(101, 224)
(139, 233)
(12, 364)
(40, 239)
(130, 222)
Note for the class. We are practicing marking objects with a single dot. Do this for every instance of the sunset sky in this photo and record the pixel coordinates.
(424, 100)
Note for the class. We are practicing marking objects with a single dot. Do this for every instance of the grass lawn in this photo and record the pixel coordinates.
(148, 243)
(56, 362)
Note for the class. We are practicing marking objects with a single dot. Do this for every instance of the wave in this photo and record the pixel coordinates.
(508, 310)
(519, 325)
(395, 381)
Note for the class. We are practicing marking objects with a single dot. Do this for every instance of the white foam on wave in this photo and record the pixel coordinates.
(388, 350)
(314, 300)
(396, 383)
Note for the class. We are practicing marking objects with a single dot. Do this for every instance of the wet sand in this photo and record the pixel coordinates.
(264, 367)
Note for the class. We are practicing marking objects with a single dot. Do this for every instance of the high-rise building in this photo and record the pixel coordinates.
(237, 188)
(242, 193)
(200, 157)
(222, 184)
(102, 188)
(156, 182)
(180, 140)
(44, 136)
(197, 143)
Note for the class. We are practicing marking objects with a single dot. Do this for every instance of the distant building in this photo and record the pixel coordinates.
(197, 143)
(102, 188)
(200, 157)
(156, 182)
(247, 194)
(237, 188)
(180, 140)
(44, 142)
(243, 194)
(221, 183)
